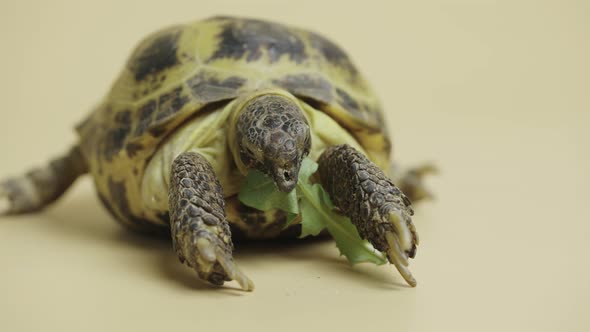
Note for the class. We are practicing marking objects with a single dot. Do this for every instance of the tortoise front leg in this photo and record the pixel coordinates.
(378, 209)
(200, 232)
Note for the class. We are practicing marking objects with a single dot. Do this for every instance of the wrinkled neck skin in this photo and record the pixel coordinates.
(268, 131)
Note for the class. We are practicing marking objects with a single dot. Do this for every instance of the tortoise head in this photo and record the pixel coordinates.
(273, 136)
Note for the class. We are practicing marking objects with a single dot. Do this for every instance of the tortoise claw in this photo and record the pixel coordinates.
(233, 272)
(206, 250)
(6, 200)
(216, 265)
(402, 245)
(399, 258)
(5, 205)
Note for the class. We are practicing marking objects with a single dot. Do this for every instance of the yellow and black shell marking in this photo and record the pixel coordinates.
(183, 71)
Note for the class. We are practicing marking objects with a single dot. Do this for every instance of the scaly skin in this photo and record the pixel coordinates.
(378, 209)
(273, 137)
(200, 232)
(41, 186)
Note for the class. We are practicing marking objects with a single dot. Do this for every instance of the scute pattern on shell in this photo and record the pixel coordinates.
(178, 72)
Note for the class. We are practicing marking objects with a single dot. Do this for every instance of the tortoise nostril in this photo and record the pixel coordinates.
(287, 176)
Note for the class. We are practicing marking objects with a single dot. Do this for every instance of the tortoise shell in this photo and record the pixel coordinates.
(185, 70)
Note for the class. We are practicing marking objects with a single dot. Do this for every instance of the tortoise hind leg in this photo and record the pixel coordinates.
(411, 181)
(41, 186)
(200, 231)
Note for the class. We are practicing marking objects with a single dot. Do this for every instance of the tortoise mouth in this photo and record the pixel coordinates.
(285, 178)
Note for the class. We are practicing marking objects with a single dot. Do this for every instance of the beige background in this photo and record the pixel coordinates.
(496, 92)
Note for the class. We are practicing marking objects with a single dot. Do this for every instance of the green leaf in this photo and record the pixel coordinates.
(316, 210)
(321, 214)
(308, 167)
(258, 191)
(351, 245)
(312, 214)
(349, 241)
(291, 218)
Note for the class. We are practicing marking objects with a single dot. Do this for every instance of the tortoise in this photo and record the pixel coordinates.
(196, 107)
